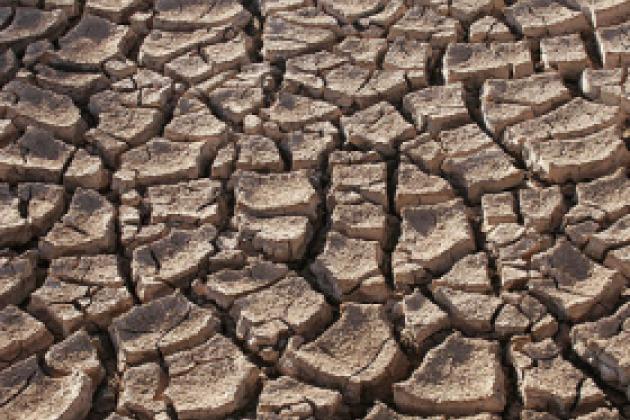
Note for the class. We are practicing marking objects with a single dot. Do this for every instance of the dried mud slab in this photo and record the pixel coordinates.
(171, 262)
(194, 67)
(350, 85)
(411, 56)
(17, 277)
(436, 108)
(612, 44)
(188, 15)
(142, 392)
(313, 209)
(194, 122)
(524, 314)
(425, 24)
(619, 259)
(347, 11)
(357, 355)
(147, 165)
(86, 171)
(22, 336)
(350, 269)
(258, 153)
(81, 292)
(463, 141)
(160, 328)
(79, 86)
(603, 199)
(292, 112)
(27, 389)
(610, 87)
(242, 95)
(489, 170)
(565, 54)
(429, 151)
(120, 128)
(35, 156)
(30, 24)
(380, 411)
(421, 319)
(473, 313)
(547, 382)
(358, 202)
(287, 397)
(462, 376)
(579, 158)
(363, 52)
(489, 29)
(356, 178)
(309, 149)
(467, 11)
(433, 237)
(90, 43)
(287, 308)
(237, 280)
(572, 285)
(357, 197)
(497, 209)
(291, 33)
(540, 18)
(275, 213)
(87, 227)
(305, 73)
(567, 121)
(474, 63)
(118, 12)
(471, 274)
(508, 102)
(282, 239)
(415, 187)
(605, 13)
(379, 127)
(161, 46)
(33, 106)
(213, 379)
(514, 245)
(601, 344)
(187, 204)
(269, 7)
(542, 208)
(384, 18)
(29, 211)
(76, 353)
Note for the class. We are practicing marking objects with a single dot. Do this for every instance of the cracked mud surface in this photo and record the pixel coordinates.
(314, 209)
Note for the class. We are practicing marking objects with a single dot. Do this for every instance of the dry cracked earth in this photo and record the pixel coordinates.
(314, 209)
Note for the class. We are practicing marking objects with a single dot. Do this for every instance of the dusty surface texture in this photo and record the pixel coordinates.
(314, 209)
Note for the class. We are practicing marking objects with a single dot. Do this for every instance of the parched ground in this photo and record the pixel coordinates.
(314, 209)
